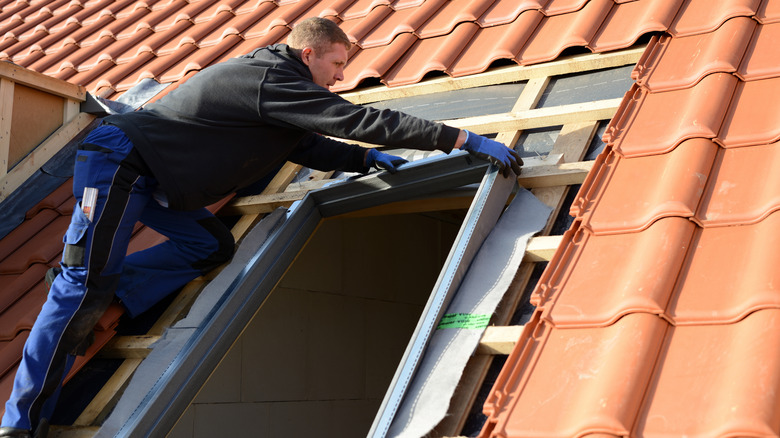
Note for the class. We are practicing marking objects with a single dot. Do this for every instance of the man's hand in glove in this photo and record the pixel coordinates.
(505, 158)
(381, 160)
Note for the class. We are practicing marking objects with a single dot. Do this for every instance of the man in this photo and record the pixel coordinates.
(222, 130)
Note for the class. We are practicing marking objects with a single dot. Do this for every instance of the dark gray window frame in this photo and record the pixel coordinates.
(170, 396)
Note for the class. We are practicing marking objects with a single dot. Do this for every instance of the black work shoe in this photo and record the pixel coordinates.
(42, 431)
(51, 274)
(12, 432)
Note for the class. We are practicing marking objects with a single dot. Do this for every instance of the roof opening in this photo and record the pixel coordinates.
(325, 344)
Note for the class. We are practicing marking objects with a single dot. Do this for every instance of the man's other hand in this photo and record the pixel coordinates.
(381, 160)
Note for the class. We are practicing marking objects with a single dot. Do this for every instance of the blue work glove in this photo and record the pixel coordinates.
(381, 160)
(505, 158)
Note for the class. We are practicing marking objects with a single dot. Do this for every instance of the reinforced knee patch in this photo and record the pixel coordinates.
(225, 245)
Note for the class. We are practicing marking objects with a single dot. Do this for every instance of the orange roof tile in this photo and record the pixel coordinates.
(558, 32)
(768, 12)
(651, 123)
(749, 123)
(725, 374)
(557, 7)
(635, 272)
(700, 16)
(497, 42)
(626, 22)
(109, 46)
(507, 12)
(710, 293)
(759, 61)
(628, 194)
(742, 189)
(597, 389)
(678, 63)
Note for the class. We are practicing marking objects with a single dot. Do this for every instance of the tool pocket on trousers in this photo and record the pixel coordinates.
(75, 239)
(90, 162)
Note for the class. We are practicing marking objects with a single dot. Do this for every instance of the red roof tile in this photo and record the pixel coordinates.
(760, 58)
(634, 272)
(17, 285)
(597, 389)
(678, 63)
(625, 195)
(628, 21)
(493, 43)
(769, 12)
(21, 314)
(10, 354)
(451, 13)
(652, 123)
(17, 238)
(559, 32)
(507, 12)
(44, 246)
(360, 27)
(752, 118)
(742, 189)
(700, 16)
(710, 293)
(557, 7)
(361, 8)
(375, 62)
(726, 374)
(108, 47)
(440, 53)
(677, 219)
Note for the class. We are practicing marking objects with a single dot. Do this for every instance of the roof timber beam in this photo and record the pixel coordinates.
(495, 340)
(40, 81)
(539, 117)
(520, 120)
(12, 179)
(499, 339)
(128, 347)
(567, 65)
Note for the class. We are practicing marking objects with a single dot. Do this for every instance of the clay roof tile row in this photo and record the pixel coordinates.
(79, 38)
(658, 314)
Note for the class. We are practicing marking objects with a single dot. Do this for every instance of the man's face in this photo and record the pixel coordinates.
(326, 68)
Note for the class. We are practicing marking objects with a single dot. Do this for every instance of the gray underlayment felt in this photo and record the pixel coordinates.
(428, 397)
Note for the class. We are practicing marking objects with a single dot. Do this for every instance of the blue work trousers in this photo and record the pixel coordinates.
(96, 268)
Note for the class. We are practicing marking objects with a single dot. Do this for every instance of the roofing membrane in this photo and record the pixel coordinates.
(658, 314)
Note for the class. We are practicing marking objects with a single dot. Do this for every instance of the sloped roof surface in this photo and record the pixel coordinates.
(108, 46)
(659, 314)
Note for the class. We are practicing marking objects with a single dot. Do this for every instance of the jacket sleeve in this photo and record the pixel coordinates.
(322, 153)
(289, 100)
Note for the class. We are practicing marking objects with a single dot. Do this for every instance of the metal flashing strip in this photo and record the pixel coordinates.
(414, 179)
(179, 381)
(482, 216)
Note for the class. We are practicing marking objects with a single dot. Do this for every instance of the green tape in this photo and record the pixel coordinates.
(464, 321)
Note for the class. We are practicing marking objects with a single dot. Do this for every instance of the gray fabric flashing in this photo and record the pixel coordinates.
(488, 278)
(481, 218)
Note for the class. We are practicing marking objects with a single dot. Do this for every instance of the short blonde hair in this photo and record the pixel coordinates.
(317, 33)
